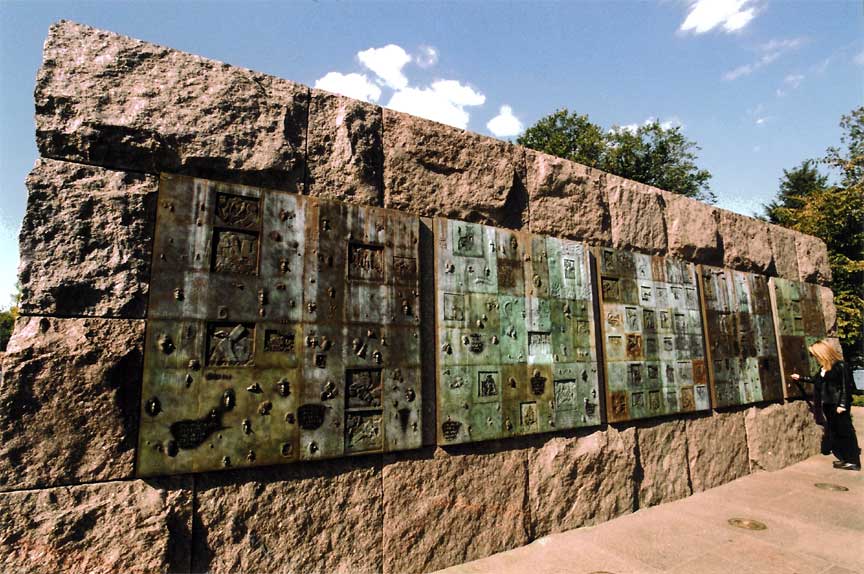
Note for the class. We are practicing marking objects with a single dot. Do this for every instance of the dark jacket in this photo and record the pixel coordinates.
(835, 388)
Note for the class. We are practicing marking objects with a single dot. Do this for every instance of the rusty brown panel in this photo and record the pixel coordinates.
(514, 333)
(799, 324)
(281, 328)
(652, 335)
(740, 335)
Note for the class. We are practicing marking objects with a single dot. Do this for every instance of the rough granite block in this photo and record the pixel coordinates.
(109, 100)
(574, 482)
(693, 229)
(126, 526)
(829, 311)
(567, 199)
(746, 243)
(716, 449)
(813, 263)
(637, 215)
(311, 517)
(784, 252)
(781, 434)
(663, 458)
(69, 400)
(442, 509)
(86, 241)
(435, 170)
(346, 155)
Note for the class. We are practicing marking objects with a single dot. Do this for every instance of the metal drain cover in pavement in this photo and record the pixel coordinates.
(829, 486)
(747, 524)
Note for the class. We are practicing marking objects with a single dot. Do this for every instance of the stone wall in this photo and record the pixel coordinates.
(111, 113)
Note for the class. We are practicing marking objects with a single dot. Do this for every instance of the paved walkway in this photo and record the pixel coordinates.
(809, 531)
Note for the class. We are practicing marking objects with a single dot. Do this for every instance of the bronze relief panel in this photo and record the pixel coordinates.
(799, 321)
(280, 328)
(514, 333)
(651, 335)
(742, 346)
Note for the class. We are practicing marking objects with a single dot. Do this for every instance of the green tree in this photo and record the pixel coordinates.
(7, 318)
(568, 135)
(658, 156)
(807, 203)
(7, 323)
(650, 153)
(796, 186)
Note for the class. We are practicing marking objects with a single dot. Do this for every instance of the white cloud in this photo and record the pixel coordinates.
(625, 128)
(790, 82)
(761, 121)
(356, 86)
(705, 15)
(673, 122)
(387, 64)
(426, 56)
(444, 101)
(859, 58)
(770, 52)
(505, 124)
(793, 80)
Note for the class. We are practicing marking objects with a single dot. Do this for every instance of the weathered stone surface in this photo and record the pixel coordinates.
(663, 459)
(575, 482)
(693, 230)
(637, 215)
(746, 243)
(781, 434)
(829, 311)
(785, 254)
(716, 449)
(321, 517)
(86, 241)
(113, 101)
(130, 526)
(345, 154)
(813, 263)
(69, 401)
(432, 169)
(443, 509)
(567, 199)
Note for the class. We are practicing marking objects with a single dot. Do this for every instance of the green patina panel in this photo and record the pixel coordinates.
(652, 336)
(514, 333)
(743, 363)
(280, 328)
(798, 311)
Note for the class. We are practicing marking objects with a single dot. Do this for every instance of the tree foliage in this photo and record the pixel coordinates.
(808, 203)
(650, 153)
(7, 323)
(568, 135)
(796, 186)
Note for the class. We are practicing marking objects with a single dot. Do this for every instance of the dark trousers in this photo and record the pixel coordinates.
(840, 435)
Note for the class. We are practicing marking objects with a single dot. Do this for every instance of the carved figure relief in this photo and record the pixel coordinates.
(230, 345)
(366, 262)
(237, 211)
(235, 252)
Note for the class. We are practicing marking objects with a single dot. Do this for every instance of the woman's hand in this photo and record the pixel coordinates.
(794, 376)
(841, 410)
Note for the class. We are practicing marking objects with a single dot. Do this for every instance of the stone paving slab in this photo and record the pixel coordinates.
(809, 531)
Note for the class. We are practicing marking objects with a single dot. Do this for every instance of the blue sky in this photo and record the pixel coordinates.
(759, 85)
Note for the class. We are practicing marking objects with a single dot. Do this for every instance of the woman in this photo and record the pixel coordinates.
(833, 385)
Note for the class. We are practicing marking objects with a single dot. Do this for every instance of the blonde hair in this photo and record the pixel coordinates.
(826, 354)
